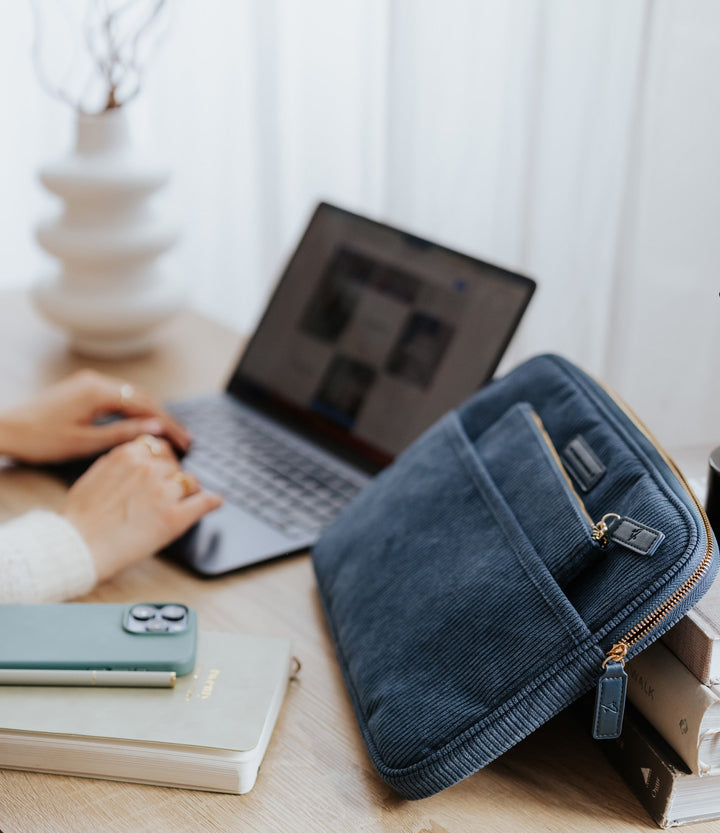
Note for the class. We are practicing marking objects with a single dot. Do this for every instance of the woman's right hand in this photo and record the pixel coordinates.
(134, 501)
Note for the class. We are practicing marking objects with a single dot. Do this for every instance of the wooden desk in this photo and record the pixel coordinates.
(316, 775)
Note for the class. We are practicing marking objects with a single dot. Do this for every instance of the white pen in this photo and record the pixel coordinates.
(62, 677)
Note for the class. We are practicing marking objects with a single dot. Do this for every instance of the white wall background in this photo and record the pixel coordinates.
(575, 141)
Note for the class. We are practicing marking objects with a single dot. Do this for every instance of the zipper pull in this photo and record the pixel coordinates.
(610, 696)
(628, 533)
(600, 529)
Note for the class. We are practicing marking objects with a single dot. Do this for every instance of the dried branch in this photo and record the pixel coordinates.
(114, 33)
(133, 61)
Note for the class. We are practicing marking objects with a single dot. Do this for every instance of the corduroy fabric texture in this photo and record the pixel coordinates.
(466, 598)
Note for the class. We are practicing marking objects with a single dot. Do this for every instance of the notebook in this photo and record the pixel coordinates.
(210, 732)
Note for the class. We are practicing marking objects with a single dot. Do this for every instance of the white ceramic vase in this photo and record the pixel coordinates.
(109, 295)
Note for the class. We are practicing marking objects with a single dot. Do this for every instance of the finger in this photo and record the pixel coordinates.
(115, 395)
(185, 484)
(196, 506)
(130, 457)
(155, 448)
(101, 437)
(150, 449)
(171, 429)
(139, 404)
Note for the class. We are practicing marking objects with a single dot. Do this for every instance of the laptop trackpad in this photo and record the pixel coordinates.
(229, 538)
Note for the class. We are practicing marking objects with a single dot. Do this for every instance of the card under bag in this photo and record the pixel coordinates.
(510, 560)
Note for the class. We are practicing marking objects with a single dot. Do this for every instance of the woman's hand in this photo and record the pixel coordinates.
(60, 423)
(132, 502)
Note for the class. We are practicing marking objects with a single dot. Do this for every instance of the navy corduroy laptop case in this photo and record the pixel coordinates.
(510, 560)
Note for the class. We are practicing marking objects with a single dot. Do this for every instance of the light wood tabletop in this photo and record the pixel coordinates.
(316, 775)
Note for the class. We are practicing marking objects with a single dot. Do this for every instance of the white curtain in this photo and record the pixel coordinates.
(574, 141)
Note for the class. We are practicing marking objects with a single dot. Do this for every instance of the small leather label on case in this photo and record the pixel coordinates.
(634, 536)
(584, 466)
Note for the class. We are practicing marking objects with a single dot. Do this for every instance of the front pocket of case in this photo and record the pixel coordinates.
(443, 613)
(522, 461)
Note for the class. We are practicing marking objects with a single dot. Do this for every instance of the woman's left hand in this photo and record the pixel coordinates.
(60, 423)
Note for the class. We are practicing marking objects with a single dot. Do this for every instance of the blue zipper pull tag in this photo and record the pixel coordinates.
(610, 697)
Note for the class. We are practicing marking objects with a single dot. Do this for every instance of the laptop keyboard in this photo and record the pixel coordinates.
(262, 469)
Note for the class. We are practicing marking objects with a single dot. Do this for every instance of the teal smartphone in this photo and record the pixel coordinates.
(149, 636)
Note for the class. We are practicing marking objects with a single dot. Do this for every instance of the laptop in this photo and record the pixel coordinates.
(370, 336)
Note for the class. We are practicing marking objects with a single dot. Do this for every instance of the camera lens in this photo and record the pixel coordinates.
(173, 613)
(156, 625)
(142, 612)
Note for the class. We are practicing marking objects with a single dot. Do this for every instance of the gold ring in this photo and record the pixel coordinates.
(185, 480)
(127, 392)
(153, 445)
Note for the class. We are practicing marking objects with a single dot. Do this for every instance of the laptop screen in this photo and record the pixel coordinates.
(372, 334)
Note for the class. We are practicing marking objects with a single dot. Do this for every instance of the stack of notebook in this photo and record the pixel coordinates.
(669, 751)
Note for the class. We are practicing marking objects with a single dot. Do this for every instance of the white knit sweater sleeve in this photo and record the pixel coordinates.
(43, 558)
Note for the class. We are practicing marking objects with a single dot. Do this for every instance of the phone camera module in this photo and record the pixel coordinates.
(156, 626)
(156, 618)
(143, 612)
(173, 613)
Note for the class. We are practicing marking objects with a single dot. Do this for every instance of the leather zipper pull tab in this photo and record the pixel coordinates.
(610, 697)
(631, 534)
(634, 536)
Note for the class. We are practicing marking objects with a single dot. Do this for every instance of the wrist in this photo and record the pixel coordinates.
(80, 523)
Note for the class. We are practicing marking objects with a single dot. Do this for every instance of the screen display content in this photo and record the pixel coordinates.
(377, 333)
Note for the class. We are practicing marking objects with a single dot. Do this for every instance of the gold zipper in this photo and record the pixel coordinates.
(619, 650)
(612, 685)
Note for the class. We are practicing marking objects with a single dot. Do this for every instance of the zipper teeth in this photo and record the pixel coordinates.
(551, 448)
(655, 617)
(662, 611)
